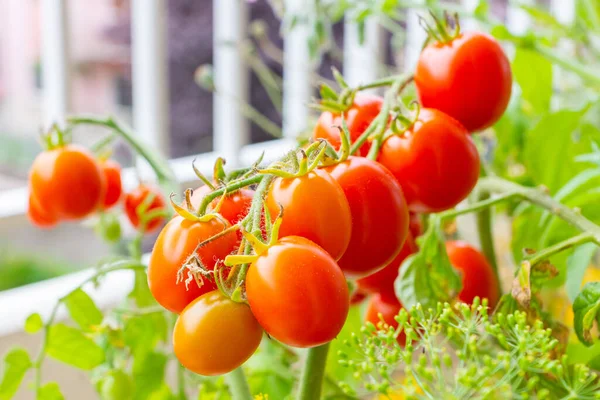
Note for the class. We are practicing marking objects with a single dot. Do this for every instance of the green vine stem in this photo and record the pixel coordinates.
(238, 384)
(311, 380)
(232, 187)
(386, 82)
(133, 265)
(558, 247)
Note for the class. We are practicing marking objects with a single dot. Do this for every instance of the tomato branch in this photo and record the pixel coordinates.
(230, 188)
(559, 247)
(238, 384)
(311, 380)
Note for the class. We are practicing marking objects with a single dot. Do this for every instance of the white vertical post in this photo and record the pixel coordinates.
(361, 60)
(55, 64)
(564, 12)
(231, 79)
(296, 70)
(415, 37)
(149, 72)
(469, 24)
(517, 20)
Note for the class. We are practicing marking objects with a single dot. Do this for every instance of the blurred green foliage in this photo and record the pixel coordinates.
(18, 269)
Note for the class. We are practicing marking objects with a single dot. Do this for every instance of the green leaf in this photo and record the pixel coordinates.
(83, 310)
(142, 333)
(16, 364)
(33, 323)
(533, 73)
(71, 346)
(577, 263)
(579, 353)
(586, 307)
(141, 292)
(148, 373)
(50, 391)
(428, 277)
(116, 385)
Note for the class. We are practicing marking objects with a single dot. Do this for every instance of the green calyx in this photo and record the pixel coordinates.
(441, 30)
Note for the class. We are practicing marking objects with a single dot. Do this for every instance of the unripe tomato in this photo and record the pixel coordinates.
(478, 276)
(175, 243)
(388, 306)
(435, 161)
(314, 207)
(112, 174)
(235, 206)
(359, 116)
(116, 386)
(468, 78)
(68, 182)
(38, 215)
(298, 293)
(383, 280)
(214, 335)
(136, 198)
(379, 215)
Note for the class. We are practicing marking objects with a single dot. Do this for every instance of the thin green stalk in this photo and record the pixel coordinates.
(238, 384)
(569, 64)
(388, 81)
(232, 187)
(477, 206)
(592, 13)
(560, 246)
(311, 380)
(484, 229)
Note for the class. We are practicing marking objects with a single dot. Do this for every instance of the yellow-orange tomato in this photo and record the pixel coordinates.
(314, 207)
(68, 181)
(215, 335)
(175, 243)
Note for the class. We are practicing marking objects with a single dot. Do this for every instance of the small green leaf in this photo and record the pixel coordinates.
(142, 333)
(16, 364)
(50, 391)
(148, 373)
(141, 292)
(586, 307)
(428, 277)
(71, 346)
(33, 323)
(533, 73)
(83, 310)
(116, 385)
(328, 93)
(577, 263)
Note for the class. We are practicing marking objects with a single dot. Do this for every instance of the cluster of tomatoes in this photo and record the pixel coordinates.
(68, 183)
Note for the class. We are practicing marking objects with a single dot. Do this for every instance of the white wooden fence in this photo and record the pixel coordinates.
(150, 97)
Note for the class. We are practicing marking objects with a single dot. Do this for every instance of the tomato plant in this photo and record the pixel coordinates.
(145, 200)
(214, 335)
(233, 208)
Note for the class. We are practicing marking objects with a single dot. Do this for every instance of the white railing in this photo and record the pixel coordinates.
(150, 94)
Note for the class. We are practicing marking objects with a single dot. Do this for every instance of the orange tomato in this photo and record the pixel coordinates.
(112, 174)
(137, 197)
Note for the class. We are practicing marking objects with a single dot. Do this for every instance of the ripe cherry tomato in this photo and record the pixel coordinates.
(388, 306)
(314, 207)
(215, 335)
(175, 243)
(298, 293)
(379, 215)
(478, 276)
(235, 206)
(68, 181)
(39, 216)
(383, 280)
(136, 198)
(359, 116)
(468, 78)
(435, 162)
(112, 174)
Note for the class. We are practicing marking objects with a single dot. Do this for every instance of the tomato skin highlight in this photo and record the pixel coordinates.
(388, 306)
(314, 207)
(379, 215)
(114, 188)
(359, 116)
(298, 293)
(235, 206)
(136, 197)
(177, 240)
(214, 335)
(469, 79)
(383, 280)
(478, 277)
(435, 161)
(39, 216)
(68, 181)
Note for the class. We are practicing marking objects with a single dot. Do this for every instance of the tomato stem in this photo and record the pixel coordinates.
(238, 384)
(230, 188)
(542, 255)
(311, 380)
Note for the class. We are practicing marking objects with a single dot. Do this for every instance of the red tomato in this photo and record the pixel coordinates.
(388, 307)
(215, 335)
(379, 215)
(298, 293)
(136, 198)
(39, 216)
(478, 277)
(468, 78)
(112, 174)
(175, 243)
(415, 226)
(314, 207)
(435, 162)
(383, 280)
(359, 116)
(68, 181)
(235, 206)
